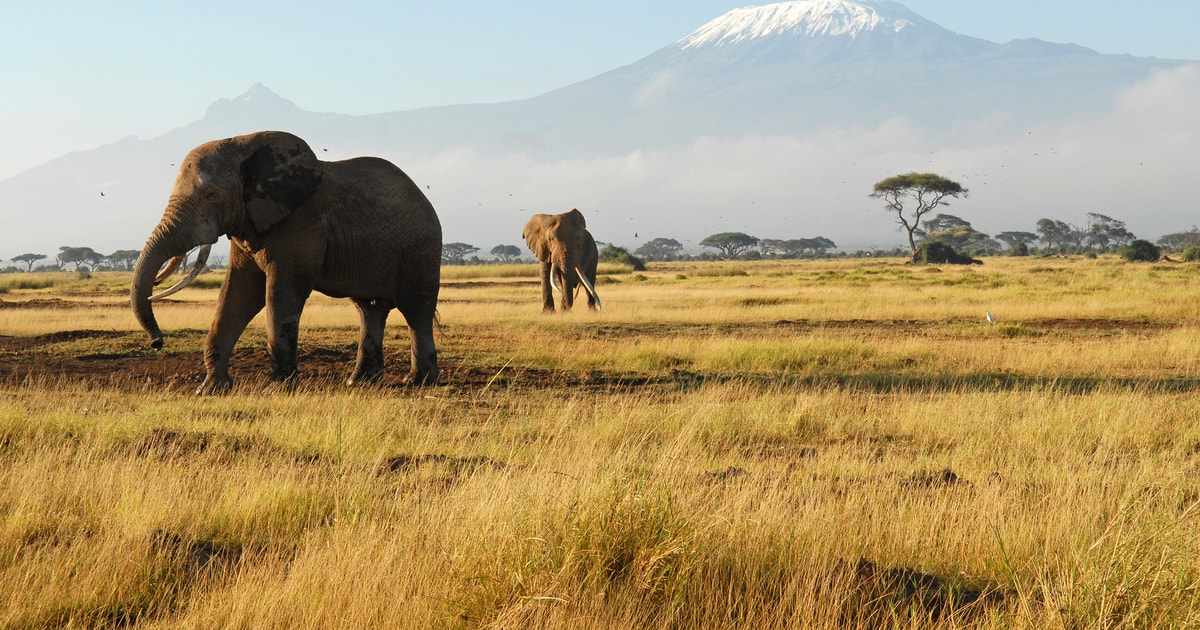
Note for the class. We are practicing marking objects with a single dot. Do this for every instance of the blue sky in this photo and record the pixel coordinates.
(79, 74)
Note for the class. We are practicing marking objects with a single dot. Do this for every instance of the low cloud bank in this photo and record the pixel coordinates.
(1133, 164)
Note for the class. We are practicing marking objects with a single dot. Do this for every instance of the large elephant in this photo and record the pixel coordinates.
(567, 251)
(357, 228)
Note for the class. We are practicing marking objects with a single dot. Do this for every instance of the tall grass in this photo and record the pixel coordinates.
(693, 456)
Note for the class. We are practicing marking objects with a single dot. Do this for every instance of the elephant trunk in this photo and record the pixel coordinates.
(568, 263)
(167, 241)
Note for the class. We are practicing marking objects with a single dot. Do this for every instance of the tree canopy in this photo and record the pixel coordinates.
(921, 192)
(730, 244)
(1013, 239)
(28, 259)
(659, 249)
(943, 223)
(124, 258)
(796, 247)
(1059, 234)
(1104, 232)
(1175, 240)
(454, 253)
(78, 256)
(957, 233)
(506, 253)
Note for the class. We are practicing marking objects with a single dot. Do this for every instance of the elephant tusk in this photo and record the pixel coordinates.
(201, 258)
(169, 269)
(553, 284)
(591, 289)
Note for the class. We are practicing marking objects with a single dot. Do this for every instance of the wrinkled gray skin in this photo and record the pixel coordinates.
(568, 256)
(357, 228)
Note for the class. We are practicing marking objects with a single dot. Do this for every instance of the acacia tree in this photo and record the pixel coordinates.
(1173, 241)
(1015, 239)
(1060, 234)
(1104, 232)
(78, 256)
(730, 244)
(784, 248)
(796, 247)
(124, 258)
(506, 253)
(925, 191)
(453, 253)
(659, 249)
(943, 223)
(28, 259)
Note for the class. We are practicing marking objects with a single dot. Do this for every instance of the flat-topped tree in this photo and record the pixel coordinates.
(28, 260)
(922, 192)
(454, 253)
(730, 244)
(506, 253)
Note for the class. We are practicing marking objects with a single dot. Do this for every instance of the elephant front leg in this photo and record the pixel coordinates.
(284, 306)
(368, 367)
(547, 292)
(242, 296)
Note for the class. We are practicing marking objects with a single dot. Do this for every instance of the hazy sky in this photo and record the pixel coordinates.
(78, 74)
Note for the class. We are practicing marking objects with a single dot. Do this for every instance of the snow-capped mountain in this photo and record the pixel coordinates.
(766, 77)
(809, 18)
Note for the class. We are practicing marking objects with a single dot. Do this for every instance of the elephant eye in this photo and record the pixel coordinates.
(211, 195)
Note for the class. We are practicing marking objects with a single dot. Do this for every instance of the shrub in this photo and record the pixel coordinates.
(621, 256)
(1192, 253)
(936, 252)
(1140, 250)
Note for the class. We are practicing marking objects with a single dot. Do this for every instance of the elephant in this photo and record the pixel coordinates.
(566, 250)
(357, 228)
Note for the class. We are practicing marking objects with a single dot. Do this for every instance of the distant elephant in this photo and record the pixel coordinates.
(566, 250)
(357, 228)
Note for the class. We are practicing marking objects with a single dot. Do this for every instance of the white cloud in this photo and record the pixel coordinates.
(657, 88)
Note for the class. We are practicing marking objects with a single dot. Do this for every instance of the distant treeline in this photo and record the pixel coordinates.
(1101, 234)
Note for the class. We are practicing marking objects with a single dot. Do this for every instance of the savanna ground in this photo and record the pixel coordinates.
(843, 443)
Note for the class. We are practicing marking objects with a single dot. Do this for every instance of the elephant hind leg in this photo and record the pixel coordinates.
(420, 314)
(368, 366)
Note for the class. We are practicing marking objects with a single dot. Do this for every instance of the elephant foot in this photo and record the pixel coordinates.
(364, 378)
(283, 384)
(214, 385)
(426, 378)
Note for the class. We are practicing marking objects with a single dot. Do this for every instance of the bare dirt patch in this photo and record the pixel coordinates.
(124, 360)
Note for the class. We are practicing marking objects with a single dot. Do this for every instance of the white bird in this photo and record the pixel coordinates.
(991, 320)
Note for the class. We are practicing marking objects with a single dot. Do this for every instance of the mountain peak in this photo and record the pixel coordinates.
(259, 98)
(813, 18)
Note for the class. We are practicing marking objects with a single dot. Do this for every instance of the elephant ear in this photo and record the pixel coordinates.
(535, 236)
(576, 217)
(280, 175)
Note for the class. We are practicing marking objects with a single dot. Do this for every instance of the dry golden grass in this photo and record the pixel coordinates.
(819, 444)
